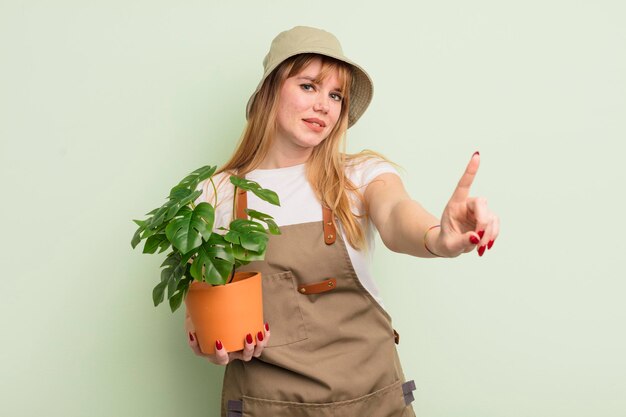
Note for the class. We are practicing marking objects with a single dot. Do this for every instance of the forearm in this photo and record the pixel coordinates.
(404, 229)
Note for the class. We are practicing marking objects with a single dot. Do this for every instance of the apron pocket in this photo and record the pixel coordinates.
(386, 402)
(281, 309)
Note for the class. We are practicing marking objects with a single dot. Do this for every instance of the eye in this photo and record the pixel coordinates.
(336, 97)
(306, 87)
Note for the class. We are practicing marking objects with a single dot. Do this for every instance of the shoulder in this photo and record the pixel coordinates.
(364, 167)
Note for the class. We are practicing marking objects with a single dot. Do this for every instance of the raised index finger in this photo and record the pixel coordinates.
(463, 187)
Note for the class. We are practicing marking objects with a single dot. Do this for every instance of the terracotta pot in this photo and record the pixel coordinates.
(226, 312)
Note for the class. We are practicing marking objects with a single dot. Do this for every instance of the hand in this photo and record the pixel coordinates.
(222, 357)
(466, 223)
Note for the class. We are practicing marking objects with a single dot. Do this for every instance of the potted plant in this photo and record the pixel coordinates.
(201, 265)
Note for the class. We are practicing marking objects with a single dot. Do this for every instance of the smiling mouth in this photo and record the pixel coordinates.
(315, 122)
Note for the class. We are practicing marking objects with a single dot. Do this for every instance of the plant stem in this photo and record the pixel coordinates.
(214, 191)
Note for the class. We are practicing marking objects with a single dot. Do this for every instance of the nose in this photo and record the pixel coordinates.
(321, 105)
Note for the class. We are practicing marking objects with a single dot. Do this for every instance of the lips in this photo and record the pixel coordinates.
(315, 122)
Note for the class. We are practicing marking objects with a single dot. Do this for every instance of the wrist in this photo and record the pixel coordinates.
(431, 237)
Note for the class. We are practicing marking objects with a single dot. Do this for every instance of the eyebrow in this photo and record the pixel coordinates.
(305, 77)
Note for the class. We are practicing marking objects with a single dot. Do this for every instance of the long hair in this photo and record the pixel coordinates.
(328, 160)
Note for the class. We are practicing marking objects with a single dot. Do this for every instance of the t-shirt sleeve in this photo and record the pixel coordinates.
(366, 171)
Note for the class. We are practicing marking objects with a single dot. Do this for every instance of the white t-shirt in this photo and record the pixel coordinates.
(298, 204)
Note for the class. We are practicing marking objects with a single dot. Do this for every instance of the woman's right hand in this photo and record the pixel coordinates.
(222, 357)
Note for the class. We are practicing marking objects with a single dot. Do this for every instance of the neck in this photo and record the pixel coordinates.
(283, 157)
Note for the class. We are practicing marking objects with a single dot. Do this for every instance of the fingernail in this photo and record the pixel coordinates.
(490, 244)
(481, 233)
(267, 327)
(249, 338)
(481, 250)
(474, 240)
(259, 336)
(190, 337)
(218, 345)
(476, 153)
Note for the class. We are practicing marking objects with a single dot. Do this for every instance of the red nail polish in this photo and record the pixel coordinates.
(218, 345)
(259, 336)
(190, 337)
(481, 250)
(476, 153)
(474, 240)
(267, 327)
(481, 233)
(249, 338)
(490, 244)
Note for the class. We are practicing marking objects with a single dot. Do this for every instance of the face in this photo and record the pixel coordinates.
(308, 110)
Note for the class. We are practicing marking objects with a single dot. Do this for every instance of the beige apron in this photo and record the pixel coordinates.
(332, 350)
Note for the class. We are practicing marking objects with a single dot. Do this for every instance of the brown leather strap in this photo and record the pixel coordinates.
(330, 232)
(319, 287)
(241, 204)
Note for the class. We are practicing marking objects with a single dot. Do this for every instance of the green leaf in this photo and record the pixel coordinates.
(172, 208)
(172, 258)
(265, 218)
(168, 211)
(159, 215)
(183, 284)
(246, 256)
(172, 284)
(191, 197)
(176, 300)
(181, 198)
(173, 270)
(140, 223)
(153, 231)
(187, 256)
(171, 274)
(154, 242)
(164, 246)
(264, 194)
(158, 293)
(136, 238)
(249, 234)
(179, 192)
(196, 177)
(245, 225)
(188, 228)
(215, 261)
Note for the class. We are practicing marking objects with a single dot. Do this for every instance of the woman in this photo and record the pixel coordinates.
(331, 351)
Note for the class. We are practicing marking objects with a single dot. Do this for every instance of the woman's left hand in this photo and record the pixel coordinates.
(466, 223)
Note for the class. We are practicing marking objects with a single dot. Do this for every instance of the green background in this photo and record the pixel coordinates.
(104, 105)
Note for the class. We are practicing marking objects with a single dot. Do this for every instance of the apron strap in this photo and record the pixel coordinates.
(330, 233)
(240, 204)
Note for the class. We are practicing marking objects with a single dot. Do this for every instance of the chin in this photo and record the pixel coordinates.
(310, 143)
(313, 140)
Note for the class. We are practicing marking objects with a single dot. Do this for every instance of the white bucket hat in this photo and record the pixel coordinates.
(308, 40)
